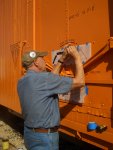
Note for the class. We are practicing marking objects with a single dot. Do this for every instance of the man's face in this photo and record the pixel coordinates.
(41, 63)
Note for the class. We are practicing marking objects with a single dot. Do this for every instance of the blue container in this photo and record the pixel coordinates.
(92, 126)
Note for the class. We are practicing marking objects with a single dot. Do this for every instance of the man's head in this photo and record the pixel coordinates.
(33, 57)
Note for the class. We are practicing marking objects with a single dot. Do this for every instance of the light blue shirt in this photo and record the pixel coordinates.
(38, 93)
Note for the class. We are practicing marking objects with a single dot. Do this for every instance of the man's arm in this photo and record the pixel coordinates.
(78, 80)
(57, 69)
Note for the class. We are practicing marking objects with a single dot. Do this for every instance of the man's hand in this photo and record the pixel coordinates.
(57, 69)
(69, 50)
(64, 55)
(72, 50)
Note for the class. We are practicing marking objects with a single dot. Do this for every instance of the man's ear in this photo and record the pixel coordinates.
(36, 63)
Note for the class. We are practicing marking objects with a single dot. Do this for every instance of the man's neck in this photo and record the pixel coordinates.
(34, 68)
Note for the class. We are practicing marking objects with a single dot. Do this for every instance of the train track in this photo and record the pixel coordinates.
(11, 131)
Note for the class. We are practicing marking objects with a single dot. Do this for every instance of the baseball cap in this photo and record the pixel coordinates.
(29, 56)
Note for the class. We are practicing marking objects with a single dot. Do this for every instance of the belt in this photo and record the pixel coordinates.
(44, 130)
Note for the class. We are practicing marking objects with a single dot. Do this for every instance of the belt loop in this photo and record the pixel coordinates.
(33, 130)
(49, 130)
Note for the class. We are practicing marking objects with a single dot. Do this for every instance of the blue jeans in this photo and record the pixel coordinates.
(40, 141)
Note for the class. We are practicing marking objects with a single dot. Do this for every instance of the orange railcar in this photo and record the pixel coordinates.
(46, 25)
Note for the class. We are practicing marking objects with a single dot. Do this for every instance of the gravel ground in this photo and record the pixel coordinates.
(11, 128)
(15, 138)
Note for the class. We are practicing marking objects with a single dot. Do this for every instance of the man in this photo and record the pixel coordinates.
(38, 92)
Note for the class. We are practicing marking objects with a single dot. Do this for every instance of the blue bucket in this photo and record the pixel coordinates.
(92, 126)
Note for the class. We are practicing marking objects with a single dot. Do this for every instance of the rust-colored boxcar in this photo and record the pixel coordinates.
(46, 25)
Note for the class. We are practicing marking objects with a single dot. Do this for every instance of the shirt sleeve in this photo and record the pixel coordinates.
(58, 84)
